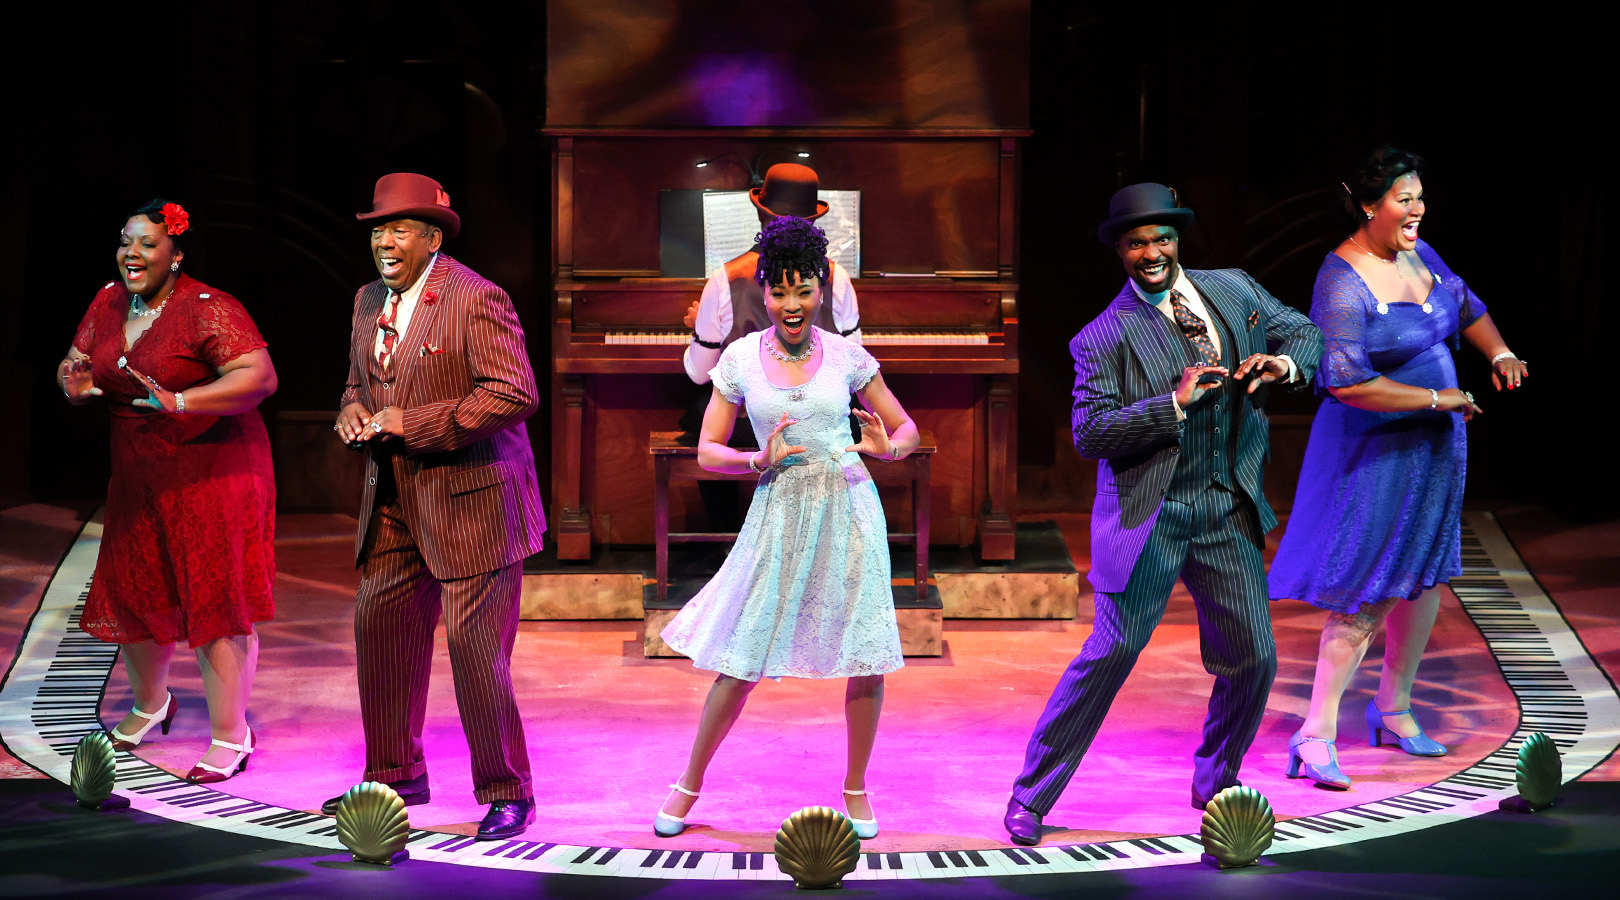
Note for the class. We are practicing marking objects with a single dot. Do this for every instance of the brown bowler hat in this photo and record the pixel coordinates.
(790, 190)
(405, 195)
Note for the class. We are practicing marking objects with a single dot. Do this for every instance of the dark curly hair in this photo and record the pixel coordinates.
(791, 246)
(153, 211)
(1369, 180)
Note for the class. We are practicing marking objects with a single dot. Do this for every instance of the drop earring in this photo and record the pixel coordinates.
(175, 266)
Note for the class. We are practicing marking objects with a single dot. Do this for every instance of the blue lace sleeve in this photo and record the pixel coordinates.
(726, 374)
(1469, 306)
(863, 366)
(1339, 307)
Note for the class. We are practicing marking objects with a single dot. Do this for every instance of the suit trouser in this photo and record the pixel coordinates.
(1213, 544)
(394, 620)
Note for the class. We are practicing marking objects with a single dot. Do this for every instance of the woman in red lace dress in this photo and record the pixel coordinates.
(186, 554)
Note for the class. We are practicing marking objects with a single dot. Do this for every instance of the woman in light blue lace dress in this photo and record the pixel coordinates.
(1376, 522)
(805, 591)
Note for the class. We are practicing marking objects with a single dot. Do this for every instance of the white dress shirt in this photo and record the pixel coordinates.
(407, 305)
(714, 318)
(1194, 302)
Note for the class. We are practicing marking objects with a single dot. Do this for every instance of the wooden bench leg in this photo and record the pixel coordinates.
(661, 526)
(921, 498)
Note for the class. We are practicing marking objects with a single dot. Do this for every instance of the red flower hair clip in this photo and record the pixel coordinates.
(175, 219)
(430, 298)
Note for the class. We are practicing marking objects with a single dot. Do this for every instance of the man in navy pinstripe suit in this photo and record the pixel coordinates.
(439, 387)
(1169, 397)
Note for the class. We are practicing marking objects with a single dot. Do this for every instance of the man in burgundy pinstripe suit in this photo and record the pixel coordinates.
(439, 386)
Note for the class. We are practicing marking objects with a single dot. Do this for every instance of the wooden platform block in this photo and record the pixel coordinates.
(652, 646)
(581, 595)
(1009, 595)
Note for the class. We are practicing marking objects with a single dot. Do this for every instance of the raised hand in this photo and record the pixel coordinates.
(1189, 389)
(77, 383)
(874, 437)
(157, 399)
(691, 316)
(776, 446)
(1266, 368)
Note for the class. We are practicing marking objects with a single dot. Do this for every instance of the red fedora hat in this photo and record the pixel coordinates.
(405, 195)
(790, 190)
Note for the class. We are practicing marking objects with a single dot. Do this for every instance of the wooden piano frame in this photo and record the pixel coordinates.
(939, 205)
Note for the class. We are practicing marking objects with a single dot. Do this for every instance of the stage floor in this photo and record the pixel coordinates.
(608, 730)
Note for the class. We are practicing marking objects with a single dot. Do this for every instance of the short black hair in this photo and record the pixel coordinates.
(790, 245)
(153, 211)
(1369, 180)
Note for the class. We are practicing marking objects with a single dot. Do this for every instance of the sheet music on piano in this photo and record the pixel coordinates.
(730, 223)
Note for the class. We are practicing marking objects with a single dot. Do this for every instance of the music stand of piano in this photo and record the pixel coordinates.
(671, 459)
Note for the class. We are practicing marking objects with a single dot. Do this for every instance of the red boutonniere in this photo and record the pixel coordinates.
(175, 219)
(430, 298)
(429, 349)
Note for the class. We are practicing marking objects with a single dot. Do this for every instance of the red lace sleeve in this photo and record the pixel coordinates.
(85, 337)
(224, 329)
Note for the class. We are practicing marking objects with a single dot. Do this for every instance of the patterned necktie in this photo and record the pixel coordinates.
(390, 334)
(1195, 329)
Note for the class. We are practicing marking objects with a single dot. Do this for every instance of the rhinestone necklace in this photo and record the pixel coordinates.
(1393, 262)
(810, 347)
(139, 309)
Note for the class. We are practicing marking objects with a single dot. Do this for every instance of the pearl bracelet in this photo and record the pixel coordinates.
(754, 467)
(179, 402)
(1434, 399)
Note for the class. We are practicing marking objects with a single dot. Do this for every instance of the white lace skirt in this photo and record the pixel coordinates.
(805, 591)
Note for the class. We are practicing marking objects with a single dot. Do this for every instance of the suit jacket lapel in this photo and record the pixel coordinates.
(422, 319)
(1148, 340)
(1231, 309)
(365, 337)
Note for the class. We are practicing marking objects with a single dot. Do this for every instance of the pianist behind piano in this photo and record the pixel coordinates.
(805, 590)
(733, 304)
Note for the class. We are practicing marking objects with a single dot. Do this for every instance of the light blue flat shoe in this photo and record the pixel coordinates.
(1327, 775)
(865, 829)
(1421, 745)
(666, 825)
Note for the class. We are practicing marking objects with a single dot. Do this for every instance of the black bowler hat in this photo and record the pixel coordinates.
(1142, 204)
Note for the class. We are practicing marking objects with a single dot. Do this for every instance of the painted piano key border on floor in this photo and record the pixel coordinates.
(51, 698)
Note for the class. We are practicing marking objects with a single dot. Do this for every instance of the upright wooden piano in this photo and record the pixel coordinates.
(938, 298)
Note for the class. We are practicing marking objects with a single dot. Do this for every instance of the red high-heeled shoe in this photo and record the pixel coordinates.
(161, 718)
(203, 773)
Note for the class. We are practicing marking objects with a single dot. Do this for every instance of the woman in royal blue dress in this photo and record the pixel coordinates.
(1376, 522)
(805, 591)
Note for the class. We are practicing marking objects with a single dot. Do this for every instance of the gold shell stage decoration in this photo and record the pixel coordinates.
(1539, 771)
(372, 823)
(1238, 827)
(817, 846)
(93, 775)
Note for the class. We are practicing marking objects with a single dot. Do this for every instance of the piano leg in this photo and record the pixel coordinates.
(997, 530)
(572, 530)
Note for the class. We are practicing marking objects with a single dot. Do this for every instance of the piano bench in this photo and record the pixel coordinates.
(672, 459)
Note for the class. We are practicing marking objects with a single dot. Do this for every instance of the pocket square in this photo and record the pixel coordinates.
(429, 349)
(1254, 317)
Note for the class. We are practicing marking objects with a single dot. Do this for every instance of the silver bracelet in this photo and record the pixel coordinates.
(1505, 354)
(179, 402)
(1434, 399)
(752, 466)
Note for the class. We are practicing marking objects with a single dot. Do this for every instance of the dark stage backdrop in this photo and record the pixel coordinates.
(272, 122)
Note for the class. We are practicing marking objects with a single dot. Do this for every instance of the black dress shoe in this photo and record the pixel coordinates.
(1199, 803)
(506, 818)
(414, 791)
(1023, 823)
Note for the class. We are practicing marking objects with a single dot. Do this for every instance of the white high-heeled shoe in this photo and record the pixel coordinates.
(203, 773)
(865, 829)
(162, 718)
(666, 825)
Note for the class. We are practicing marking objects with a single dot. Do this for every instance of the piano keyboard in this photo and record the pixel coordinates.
(51, 698)
(870, 339)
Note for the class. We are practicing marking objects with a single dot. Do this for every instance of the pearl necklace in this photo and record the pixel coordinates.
(810, 347)
(1394, 262)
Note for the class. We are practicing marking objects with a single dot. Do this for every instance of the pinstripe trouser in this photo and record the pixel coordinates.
(1214, 545)
(394, 619)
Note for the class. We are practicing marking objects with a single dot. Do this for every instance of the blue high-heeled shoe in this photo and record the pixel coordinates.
(1327, 775)
(666, 825)
(1421, 745)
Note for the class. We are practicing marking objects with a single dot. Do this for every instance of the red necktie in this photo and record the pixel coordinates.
(390, 334)
(1195, 329)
